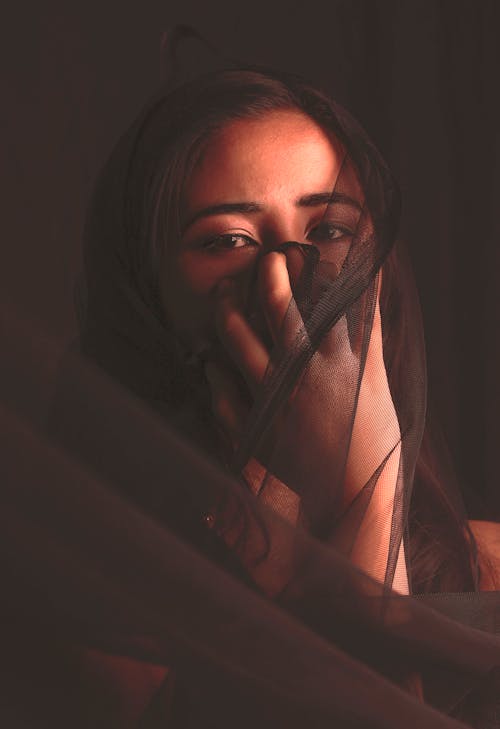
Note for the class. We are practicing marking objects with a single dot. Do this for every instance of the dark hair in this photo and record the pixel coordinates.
(167, 141)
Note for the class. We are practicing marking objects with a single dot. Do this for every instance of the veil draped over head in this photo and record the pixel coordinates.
(310, 573)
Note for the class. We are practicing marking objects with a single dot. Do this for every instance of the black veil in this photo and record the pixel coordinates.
(266, 583)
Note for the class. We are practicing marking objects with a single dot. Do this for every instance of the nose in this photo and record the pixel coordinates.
(284, 233)
(301, 261)
(278, 232)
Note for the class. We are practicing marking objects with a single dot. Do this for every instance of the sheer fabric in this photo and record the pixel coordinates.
(270, 576)
(93, 557)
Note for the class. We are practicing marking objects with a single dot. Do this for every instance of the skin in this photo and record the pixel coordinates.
(487, 534)
(278, 166)
(278, 162)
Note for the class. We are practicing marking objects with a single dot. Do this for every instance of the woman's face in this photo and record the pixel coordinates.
(260, 182)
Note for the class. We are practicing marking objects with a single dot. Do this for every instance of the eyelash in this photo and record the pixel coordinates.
(211, 245)
(331, 226)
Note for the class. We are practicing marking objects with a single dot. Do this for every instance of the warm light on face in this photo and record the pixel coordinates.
(260, 182)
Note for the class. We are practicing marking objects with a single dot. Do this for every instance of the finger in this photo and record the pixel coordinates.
(242, 344)
(227, 404)
(275, 291)
(336, 345)
(295, 260)
(375, 349)
(351, 330)
(280, 309)
(375, 366)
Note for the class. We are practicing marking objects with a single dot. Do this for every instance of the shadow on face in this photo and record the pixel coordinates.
(260, 182)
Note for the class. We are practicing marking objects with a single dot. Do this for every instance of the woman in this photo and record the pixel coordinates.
(211, 174)
(241, 278)
(250, 203)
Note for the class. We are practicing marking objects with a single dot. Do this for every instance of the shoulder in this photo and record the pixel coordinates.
(487, 535)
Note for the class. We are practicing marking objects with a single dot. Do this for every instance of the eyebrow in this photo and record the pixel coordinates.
(306, 201)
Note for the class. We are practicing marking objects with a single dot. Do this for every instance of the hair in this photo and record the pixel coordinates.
(169, 139)
(177, 126)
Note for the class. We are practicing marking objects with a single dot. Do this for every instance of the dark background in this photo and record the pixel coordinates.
(421, 76)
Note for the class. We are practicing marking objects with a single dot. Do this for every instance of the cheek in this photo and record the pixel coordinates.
(201, 273)
(190, 287)
(197, 273)
(188, 294)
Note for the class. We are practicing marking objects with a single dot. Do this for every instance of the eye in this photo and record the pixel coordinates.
(327, 232)
(229, 242)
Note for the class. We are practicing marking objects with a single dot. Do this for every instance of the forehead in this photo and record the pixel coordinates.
(283, 154)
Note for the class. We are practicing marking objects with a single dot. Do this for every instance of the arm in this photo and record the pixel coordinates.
(487, 535)
(376, 429)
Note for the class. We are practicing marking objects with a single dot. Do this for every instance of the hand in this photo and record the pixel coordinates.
(313, 450)
(319, 417)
